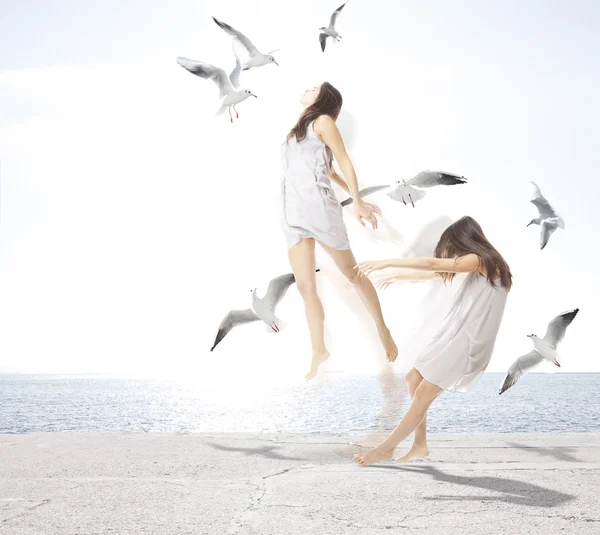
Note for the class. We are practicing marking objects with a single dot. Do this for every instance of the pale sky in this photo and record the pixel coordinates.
(132, 219)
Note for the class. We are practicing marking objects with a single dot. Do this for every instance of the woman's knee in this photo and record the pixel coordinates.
(426, 392)
(413, 378)
(351, 275)
(307, 289)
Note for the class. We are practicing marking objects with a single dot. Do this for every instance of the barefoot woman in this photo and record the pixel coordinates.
(463, 345)
(311, 212)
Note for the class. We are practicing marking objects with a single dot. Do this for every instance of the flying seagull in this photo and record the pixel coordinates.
(229, 90)
(261, 308)
(548, 219)
(330, 31)
(410, 191)
(257, 58)
(543, 349)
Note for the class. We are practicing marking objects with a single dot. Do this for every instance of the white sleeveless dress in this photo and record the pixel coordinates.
(309, 206)
(462, 348)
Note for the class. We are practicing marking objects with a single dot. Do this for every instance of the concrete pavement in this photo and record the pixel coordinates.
(119, 483)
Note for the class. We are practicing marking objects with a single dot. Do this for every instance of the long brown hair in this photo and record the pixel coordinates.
(465, 236)
(328, 102)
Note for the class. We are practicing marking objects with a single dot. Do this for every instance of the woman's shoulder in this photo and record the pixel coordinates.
(323, 122)
(322, 125)
(324, 119)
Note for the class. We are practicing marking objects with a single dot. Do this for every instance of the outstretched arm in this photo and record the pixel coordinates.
(463, 264)
(406, 276)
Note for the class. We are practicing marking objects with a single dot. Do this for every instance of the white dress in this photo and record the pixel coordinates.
(462, 348)
(309, 206)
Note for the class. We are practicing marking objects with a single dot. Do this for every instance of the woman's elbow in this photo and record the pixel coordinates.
(435, 264)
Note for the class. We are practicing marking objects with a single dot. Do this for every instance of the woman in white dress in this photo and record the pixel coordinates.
(311, 213)
(460, 351)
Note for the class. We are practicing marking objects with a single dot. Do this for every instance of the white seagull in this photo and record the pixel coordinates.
(548, 219)
(543, 349)
(229, 90)
(410, 191)
(261, 308)
(330, 31)
(257, 58)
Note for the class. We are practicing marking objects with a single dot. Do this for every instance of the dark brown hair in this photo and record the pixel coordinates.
(328, 102)
(465, 236)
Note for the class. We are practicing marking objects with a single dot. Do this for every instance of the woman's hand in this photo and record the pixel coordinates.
(365, 210)
(366, 268)
(373, 207)
(384, 282)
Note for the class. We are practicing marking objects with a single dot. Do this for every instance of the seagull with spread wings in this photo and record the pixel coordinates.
(261, 309)
(229, 90)
(256, 57)
(544, 349)
(330, 31)
(411, 191)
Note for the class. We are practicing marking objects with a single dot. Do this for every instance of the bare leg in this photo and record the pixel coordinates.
(345, 261)
(419, 448)
(424, 395)
(230, 116)
(236, 112)
(302, 260)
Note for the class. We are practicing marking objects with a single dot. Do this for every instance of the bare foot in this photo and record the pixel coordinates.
(317, 360)
(391, 350)
(374, 456)
(416, 452)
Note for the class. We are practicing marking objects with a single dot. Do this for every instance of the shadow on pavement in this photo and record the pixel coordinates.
(509, 490)
(557, 452)
(266, 451)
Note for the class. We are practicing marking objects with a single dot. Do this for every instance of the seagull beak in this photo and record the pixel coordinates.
(276, 63)
(253, 95)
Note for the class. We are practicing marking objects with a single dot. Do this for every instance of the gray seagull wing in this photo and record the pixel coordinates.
(334, 15)
(519, 367)
(558, 327)
(235, 73)
(231, 320)
(277, 289)
(364, 192)
(323, 41)
(541, 203)
(428, 179)
(546, 230)
(238, 36)
(208, 72)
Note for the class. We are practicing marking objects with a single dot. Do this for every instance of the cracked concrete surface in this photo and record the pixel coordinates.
(175, 484)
